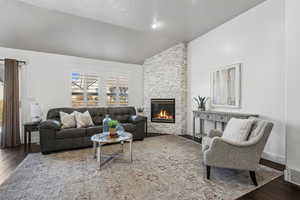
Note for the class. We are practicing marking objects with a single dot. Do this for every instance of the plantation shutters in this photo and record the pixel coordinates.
(85, 90)
(117, 90)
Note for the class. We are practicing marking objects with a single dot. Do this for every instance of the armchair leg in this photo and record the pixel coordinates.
(208, 172)
(253, 177)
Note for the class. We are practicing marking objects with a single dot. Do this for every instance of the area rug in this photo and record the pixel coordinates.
(163, 168)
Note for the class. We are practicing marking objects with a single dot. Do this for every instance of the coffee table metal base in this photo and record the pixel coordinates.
(97, 146)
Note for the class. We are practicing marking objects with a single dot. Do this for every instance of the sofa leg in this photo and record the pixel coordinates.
(253, 177)
(208, 172)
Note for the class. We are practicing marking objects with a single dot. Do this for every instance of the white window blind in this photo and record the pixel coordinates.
(117, 90)
(85, 90)
(123, 90)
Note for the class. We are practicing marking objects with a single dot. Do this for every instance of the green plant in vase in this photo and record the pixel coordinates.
(200, 102)
(113, 128)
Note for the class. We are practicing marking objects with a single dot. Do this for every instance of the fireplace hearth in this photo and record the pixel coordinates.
(163, 110)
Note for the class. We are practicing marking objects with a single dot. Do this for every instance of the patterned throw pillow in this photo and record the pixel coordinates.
(67, 120)
(238, 129)
(83, 120)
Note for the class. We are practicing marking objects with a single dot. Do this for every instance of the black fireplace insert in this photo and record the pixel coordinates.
(163, 110)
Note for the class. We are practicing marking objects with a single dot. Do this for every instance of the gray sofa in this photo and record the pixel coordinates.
(54, 138)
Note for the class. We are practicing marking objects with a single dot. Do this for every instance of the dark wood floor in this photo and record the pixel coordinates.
(277, 189)
(11, 158)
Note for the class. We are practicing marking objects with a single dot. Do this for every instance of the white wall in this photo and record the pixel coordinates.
(292, 83)
(255, 39)
(47, 78)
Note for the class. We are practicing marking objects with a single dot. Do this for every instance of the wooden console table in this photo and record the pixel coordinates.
(215, 116)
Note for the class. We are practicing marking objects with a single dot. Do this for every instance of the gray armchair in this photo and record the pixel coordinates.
(221, 152)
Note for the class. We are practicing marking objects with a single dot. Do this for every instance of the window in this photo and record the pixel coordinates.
(123, 90)
(111, 92)
(85, 90)
(117, 90)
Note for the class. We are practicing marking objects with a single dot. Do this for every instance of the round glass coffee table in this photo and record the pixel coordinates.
(103, 138)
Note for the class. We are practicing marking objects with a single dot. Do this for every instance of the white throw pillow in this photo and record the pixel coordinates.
(83, 119)
(67, 120)
(238, 129)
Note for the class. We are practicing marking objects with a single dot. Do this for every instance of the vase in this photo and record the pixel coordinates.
(105, 123)
(113, 132)
(201, 108)
(120, 128)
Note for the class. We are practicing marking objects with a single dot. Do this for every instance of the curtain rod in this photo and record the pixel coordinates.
(20, 61)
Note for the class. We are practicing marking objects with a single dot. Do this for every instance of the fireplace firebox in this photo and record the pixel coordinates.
(163, 110)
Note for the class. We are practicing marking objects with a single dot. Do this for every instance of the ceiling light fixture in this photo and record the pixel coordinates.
(155, 25)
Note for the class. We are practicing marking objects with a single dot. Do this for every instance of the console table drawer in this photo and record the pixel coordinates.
(207, 116)
(221, 118)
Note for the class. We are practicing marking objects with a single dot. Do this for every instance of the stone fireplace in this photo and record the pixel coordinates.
(163, 110)
(165, 91)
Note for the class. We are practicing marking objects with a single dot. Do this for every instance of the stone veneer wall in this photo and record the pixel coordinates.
(165, 76)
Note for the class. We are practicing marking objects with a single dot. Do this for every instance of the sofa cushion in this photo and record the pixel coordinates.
(129, 127)
(122, 114)
(94, 130)
(238, 129)
(97, 114)
(71, 133)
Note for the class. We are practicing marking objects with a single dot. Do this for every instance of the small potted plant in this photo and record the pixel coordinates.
(113, 128)
(200, 102)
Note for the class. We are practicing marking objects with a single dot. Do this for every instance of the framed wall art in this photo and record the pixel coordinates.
(225, 86)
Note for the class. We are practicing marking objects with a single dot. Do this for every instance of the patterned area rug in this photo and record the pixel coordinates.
(164, 167)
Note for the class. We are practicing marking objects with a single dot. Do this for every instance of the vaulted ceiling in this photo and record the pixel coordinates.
(118, 30)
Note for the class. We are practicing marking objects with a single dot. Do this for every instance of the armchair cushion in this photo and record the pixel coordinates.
(238, 129)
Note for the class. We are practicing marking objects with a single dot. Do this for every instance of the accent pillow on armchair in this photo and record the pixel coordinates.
(238, 129)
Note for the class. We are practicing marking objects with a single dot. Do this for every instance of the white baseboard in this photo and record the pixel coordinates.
(292, 176)
(274, 157)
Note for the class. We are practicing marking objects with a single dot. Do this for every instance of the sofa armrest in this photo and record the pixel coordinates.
(137, 119)
(236, 155)
(139, 122)
(50, 124)
(48, 131)
(214, 133)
